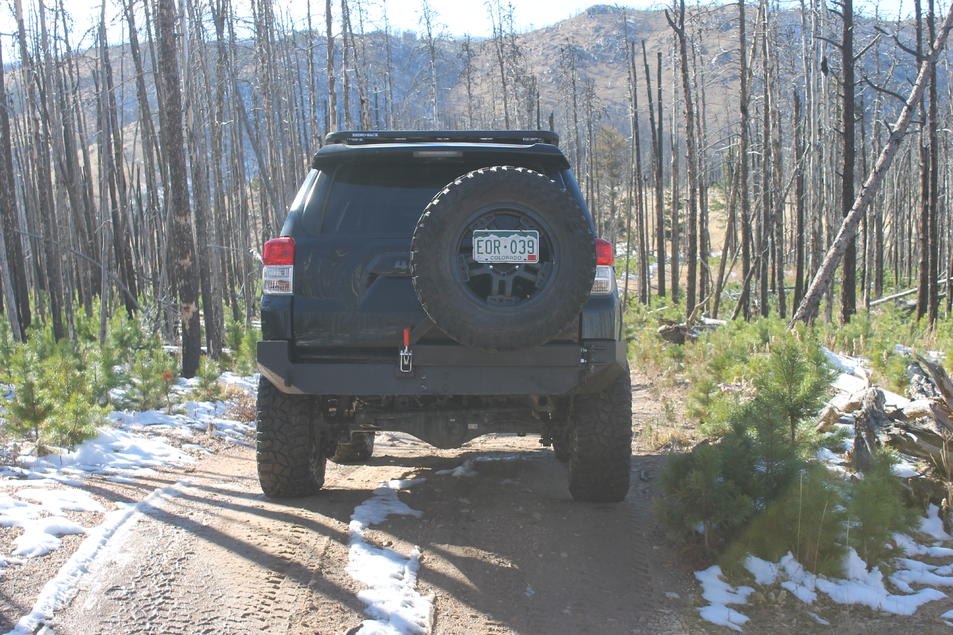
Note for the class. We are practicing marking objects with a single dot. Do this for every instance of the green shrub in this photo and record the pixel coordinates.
(61, 388)
(152, 376)
(877, 509)
(125, 336)
(209, 388)
(699, 499)
(806, 519)
(28, 408)
(705, 397)
(103, 373)
(241, 342)
(53, 400)
(73, 421)
(6, 345)
(795, 381)
(757, 488)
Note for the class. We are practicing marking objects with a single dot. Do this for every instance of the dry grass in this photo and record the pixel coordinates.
(241, 404)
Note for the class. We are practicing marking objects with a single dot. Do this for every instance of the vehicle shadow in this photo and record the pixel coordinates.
(505, 547)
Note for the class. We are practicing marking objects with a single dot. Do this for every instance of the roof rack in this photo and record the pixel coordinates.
(509, 137)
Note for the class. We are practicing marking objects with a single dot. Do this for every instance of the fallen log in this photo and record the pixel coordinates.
(921, 386)
(676, 333)
(921, 437)
(829, 416)
(903, 294)
(940, 379)
(686, 331)
(869, 428)
(931, 408)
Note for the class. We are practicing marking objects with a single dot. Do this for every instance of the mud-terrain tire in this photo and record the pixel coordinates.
(562, 449)
(601, 453)
(357, 450)
(502, 307)
(290, 451)
(562, 436)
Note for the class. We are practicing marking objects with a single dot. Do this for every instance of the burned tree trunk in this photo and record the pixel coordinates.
(15, 288)
(745, 301)
(177, 195)
(692, 167)
(849, 274)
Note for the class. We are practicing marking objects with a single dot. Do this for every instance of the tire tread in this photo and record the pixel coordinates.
(601, 453)
(290, 462)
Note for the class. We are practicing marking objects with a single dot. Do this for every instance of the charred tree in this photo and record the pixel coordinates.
(182, 247)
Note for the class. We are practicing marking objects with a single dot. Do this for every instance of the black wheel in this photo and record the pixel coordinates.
(502, 306)
(562, 437)
(290, 450)
(601, 452)
(357, 450)
(562, 449)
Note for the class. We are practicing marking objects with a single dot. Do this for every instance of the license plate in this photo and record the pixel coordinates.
(498, 245)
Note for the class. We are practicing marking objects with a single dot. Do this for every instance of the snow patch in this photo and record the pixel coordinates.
(859, 585)
(392, 599)
(904, 469)
(57, 501)
(800, 582)
(62, 587)
(867, 588)
(932, 525)
(464, 470)
(719, 595)
(764, 572)
(826, 456)
(847, 385)
(849, 365)
(467, 469)
(911, 547)
(916, 572)
(893, 400)
(42, 521)
(113, 450)
(819, 619)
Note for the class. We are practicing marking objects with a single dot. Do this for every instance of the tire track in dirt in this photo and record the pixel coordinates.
(216, 558)
(504, 551)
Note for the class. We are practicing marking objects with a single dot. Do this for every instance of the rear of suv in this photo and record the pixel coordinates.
(446, 284)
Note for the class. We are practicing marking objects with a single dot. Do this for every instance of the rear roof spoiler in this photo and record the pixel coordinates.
(508, 137)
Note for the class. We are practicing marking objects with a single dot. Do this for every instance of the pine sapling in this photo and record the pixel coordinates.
(209, 387)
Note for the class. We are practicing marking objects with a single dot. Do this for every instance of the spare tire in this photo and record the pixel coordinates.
(501, 306)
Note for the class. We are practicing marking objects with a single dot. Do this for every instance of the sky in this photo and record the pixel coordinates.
(453, 17)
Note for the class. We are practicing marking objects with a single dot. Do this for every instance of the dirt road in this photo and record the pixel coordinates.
(503, 550)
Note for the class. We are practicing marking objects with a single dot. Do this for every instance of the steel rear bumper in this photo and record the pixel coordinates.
(552, 369)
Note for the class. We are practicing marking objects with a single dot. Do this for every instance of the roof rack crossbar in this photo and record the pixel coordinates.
(510, 137)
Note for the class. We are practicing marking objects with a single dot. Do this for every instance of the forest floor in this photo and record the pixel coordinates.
(481, 539)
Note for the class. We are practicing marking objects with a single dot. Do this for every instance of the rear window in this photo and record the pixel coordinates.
(380, 198)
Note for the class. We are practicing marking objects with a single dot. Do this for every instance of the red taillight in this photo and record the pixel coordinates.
(279, 251)
(605, 254)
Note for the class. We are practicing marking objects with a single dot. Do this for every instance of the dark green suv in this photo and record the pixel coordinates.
(447, 284)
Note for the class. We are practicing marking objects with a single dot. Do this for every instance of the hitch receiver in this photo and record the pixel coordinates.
(406, 355)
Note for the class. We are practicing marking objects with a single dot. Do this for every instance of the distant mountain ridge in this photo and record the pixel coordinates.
(588, 50)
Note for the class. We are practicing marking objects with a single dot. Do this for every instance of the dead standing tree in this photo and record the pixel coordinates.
(657, 168)
(39, 147)
(807, 310)
(16, 292)
(849, 157)
(745, 300)
(177, 194)
(692, 167)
